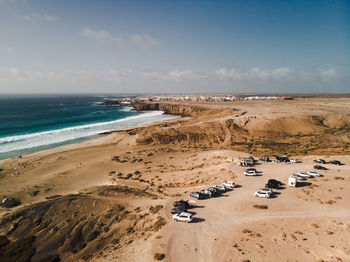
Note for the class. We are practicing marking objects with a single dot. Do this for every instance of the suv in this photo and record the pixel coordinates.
(320, 167)
(184, 216)
(206, 193)
(260, 193)
(251, 169)
(197, 195)
(305, 174)
(214, 191)
(274, 181)
(221, 188)
(298, 177)
(181, 203)
(229, 184)
(336, 162)
(268, 190)
(320, 161)
(271, 185)
(250, 173)
(313, 173)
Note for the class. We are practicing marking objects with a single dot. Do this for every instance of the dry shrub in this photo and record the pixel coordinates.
(339, 178)
(159, 256)
(246, 231)
(158, 224)
(261, 206)
(154, 210)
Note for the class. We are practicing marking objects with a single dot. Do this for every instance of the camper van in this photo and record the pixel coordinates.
(292, 181)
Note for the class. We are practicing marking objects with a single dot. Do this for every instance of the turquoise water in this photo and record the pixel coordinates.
(29, 124)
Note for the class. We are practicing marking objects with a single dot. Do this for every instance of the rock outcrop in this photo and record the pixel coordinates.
(170, 108)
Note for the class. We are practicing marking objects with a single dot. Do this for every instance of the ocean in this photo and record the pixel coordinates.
(33, 123)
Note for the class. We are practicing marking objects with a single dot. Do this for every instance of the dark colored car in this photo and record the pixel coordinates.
(181, 203)
(282, 158)
(335, 162)
(274, 181)
(320, 161)
(272, 185)
(197, 195)
(264, 158)
(178, 210)
(320, 167)
(206, 194)
(214, 191)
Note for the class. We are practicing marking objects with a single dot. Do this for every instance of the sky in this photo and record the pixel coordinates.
(162, 46)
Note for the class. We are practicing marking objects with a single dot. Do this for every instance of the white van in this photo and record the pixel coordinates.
(292, 181)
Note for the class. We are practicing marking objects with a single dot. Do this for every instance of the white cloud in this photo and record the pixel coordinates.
(44, 79)
(253, 73)
(143, 41)
(177, 75)
(327, 74)
(101, 35)
(40, 17)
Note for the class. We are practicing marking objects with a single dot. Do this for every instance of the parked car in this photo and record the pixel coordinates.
(335, 162)
(320, 167)
(214, 191)
(304, 174)
(260, 193)
(264, 158)
(268, 190)
(274, 181)
(250, 173)
(298, 177)
(313, 173)
(320, 161)
(197, 195)
(251, 169)
(186, 204)
(177, 210)
(271, 185)
(294, 160)
(184, 216)
(229, 184)
(221, 188)
(206, 193)
(281, 158)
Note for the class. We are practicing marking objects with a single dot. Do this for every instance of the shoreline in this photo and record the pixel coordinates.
(21, 152)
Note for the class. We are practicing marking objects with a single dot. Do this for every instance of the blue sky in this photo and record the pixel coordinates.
(174, 46)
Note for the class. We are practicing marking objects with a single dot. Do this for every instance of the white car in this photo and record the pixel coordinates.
(313, 173)
(221, 188)
(184, 216)
(229, 184)
(268, 190)
(299, 177)
(294, 160)
(304, 174)
(250, 173)
(260, 193)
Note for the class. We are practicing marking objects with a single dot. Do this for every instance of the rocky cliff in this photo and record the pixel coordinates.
(170, 108)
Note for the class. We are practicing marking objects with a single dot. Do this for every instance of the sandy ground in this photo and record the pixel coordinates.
(307, 223)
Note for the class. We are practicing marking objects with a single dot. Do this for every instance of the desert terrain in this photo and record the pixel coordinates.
(109, 199)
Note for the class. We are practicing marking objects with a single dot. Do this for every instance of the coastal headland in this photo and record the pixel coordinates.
(109, 198)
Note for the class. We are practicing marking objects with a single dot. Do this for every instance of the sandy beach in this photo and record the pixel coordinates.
(109, 199)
